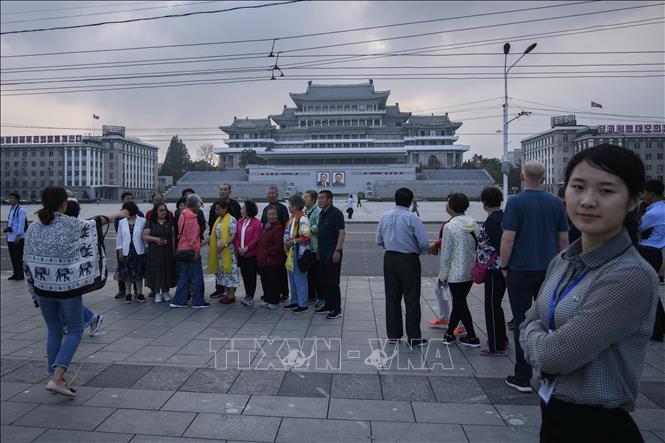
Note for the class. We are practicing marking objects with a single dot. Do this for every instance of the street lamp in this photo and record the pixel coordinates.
(506, 51)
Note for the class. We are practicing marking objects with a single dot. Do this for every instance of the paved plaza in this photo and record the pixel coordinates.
(155, 374)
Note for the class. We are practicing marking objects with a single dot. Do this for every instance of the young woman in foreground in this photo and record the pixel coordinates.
(588, 330)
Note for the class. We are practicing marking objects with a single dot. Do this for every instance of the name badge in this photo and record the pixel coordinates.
(547, 387)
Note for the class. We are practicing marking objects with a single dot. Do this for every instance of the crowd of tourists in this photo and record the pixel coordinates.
(580, 271)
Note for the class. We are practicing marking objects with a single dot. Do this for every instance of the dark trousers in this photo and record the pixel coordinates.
(495, 287)
(248, 271)
(283, 283)
(655, 258)
(401, 277)
(523, 287)
(460, 311)
(314, 281)
(16, 256)
(330, 273)
(271, 282)
(572, 423)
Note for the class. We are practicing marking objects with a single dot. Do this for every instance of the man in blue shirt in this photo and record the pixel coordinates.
(15, 230)
(652, 241)
(402, 234)
(535, 229)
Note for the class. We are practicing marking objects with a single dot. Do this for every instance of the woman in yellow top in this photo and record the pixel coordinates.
(222, 259)
(296, 241)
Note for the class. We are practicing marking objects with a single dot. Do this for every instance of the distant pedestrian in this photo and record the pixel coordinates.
(131, 252)
(16, 226)
(270, 259)
(349, 206)
(53, 265)
(296, 242)
(535, 228)
(359, 202)
(414, 207)
(402, 235)
(588, 330)
(458, 252)
(247, 237)
(159, 233)
(652, 241)
(272, 194)
(314, 285)
(331, 236)
(222, 258)
(489, 246)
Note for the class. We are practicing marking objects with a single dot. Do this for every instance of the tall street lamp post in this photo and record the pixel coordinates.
(506, 69)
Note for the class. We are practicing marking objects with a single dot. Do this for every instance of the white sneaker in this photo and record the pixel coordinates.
(158, 297)
(247, 301)
(166, 296)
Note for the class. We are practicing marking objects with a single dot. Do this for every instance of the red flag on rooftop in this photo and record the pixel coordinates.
(596, 105)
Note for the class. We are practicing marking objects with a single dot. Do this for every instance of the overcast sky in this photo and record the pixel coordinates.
(209, 106)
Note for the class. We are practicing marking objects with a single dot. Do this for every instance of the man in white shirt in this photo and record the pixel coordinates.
(15, 230)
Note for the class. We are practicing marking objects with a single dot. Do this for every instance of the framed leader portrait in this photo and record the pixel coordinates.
(338, 178)
(323, 178)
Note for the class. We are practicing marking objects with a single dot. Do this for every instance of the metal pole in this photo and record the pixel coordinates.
(505, 126)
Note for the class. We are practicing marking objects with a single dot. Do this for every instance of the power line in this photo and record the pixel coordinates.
(298, 36)
(107, 12)
(34, 11)
(132, 20)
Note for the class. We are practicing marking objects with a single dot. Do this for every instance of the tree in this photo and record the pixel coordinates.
(206, 152)
(249, 157)
(177, 160)
(202, 165)
(493, 167)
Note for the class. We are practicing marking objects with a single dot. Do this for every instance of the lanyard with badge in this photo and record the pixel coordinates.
(548, 382)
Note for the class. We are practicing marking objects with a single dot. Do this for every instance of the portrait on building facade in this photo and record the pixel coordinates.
(338, 178)
(323, 178)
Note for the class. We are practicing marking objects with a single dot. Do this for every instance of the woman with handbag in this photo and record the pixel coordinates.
(160, 267)
(489, 261)
(130, 244)
(296, 242)
(64, 259)
(222, 259)
(458, 253)
(249, 231)
(270, 259)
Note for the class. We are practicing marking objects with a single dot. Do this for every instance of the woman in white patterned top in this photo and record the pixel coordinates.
(588, 329)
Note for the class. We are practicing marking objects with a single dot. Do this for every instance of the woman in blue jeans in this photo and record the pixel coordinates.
(296, 241)
(60, 260)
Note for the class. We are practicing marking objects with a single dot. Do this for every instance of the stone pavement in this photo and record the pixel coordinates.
(154, 374)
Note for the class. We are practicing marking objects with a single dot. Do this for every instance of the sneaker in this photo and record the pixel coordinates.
(173, 305)
(158, 297)
(270, 305)
(511, 325)
(417, 342)
(319, 304)
(140, 298)
(96, 325)
(472, 342)
(520, 384)
(119, 295)
(438, 323)
(166, 296)
(300, 309)
(218, 293)
(226, 300)
(128, 298)
(393, 341)
(497, 353)
(449, 339)
(323, 310)
(337, 313)
(247, 300)
(204, 305)
(290, 306)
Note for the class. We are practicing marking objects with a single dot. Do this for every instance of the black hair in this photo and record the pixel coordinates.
(73, 208)
(624, 164)
(155, 211)
(655, 186)
(187, 191)
(250, 208)
(182, 200)
(491, 196)
(221, 203)
(125, 194)
(327, 193)
(312, 194)
(403, 197)
(17, 196)
(561, 193)
(297, 202)
(458, 202)
(52, 199)
(131, 208)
